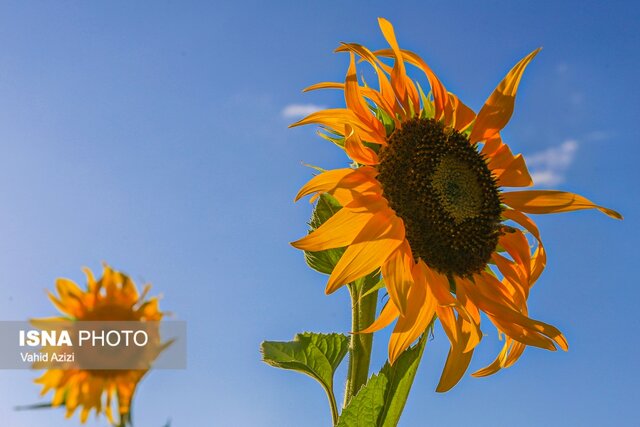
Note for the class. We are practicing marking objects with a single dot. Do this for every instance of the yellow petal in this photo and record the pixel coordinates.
(551, 201)
(382, 236)
(497, 110)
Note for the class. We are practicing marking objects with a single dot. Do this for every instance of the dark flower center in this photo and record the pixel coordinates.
(441, 187)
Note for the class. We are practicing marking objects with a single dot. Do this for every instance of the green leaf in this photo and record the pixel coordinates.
(400, 377)
(365, 407)
(317, 355)
(381, 401)
(323, 261)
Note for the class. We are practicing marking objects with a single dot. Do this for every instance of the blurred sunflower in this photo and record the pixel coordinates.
(114, 297)
(423, 202)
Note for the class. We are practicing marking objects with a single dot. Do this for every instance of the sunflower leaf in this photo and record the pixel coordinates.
(317, 355)
(400, 377)
(323, 261)
(364, 409)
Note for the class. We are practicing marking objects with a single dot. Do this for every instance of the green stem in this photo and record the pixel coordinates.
(363, 309)
(334, 407)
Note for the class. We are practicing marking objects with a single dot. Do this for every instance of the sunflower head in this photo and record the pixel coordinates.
(425, 203)
(442, 188)
(113, 297)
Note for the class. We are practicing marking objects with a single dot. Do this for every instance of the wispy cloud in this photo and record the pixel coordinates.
(293, 111)
(549, 166)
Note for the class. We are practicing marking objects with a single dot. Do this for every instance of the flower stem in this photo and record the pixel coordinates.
(363, 312)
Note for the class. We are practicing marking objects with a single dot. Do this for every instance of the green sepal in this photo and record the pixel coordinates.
(428, 110)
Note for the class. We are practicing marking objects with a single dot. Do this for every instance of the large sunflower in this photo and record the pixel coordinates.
(424, 203)
(114, 297)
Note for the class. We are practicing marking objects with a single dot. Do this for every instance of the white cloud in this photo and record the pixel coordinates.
(549, 166)
(293, 111)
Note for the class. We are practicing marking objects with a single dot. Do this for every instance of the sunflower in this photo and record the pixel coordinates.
(114, 297)
(423, 203)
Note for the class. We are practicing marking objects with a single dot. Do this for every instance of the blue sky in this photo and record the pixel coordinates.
(153, 136)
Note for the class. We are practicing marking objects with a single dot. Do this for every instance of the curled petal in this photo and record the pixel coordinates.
(336, 118)
(539, 258)
(497, 110)
(356, 103)
(403, 87)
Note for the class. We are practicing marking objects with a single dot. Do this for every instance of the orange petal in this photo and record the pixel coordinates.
(375, 244)
(336, 118)
(507, 319)
(421, 308)
(509, 170)
(356, 103)
(497, 110)
(440, 95)
(338, 231)
(447, 317)
(517, 246)
(455, 367)
(539, 259)
(497, 364)
(344, 184)
(398, 277)
(462, 116)
(403, 87)
(439, 286)
(388, 314)
(356, 150)
(468, 336)
(551, 201)
(387, 98)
